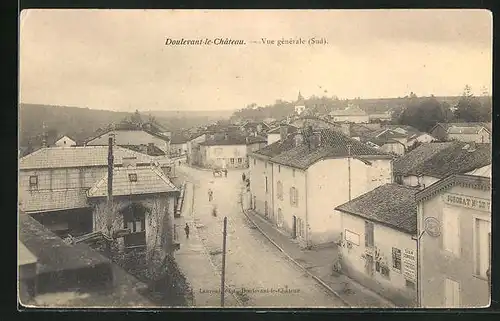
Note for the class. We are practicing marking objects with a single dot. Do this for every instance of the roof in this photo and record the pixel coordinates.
(233, 138)
(79, 156)
(152, 150)
(352, 110)
(471, 181)
(179, 138)
(390, 204)
(126, 127)
(380, 141)
(333, 144)
(83, 268)
(357, 130)
(277, 147)
(442, 159)
(52, 200)
(62, 136)
(472, 126)
(150, 180)
(277, 130)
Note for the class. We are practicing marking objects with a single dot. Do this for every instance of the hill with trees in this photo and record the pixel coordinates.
(81, 123)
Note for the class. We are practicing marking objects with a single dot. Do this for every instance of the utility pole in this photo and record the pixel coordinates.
(223, 274)
(349, 168)
(109, 217)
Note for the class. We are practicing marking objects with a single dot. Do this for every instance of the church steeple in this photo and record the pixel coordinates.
(300, 99)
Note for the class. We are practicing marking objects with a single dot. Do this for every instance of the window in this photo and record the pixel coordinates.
(279, 168)
(266, 184)
(279, 190)
(232, 161)
(451, 294)
(135, 226)
(294, 197)
(369, 242)
(280, 218)
(351, 237)
(451, 231)
(396, 259)
(132, 177)
(240, 160)
(33, 181)
(482, 247)
(410, 285)
(293, 172)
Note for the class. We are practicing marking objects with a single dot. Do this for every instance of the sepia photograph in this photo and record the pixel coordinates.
(254, 158)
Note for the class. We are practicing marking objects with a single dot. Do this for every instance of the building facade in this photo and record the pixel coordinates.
(454, 221)
(297, 190)
(464, 132)
(65, 141)
(378, 242)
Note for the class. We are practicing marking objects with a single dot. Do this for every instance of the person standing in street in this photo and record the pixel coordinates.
(186, 229)
(210, 195)
(243, 177)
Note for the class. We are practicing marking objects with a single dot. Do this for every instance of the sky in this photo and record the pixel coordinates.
(118, 60)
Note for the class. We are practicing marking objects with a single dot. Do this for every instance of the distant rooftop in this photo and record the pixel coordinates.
(442, 159)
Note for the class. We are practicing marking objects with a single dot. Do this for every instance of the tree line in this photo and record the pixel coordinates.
(424, 114)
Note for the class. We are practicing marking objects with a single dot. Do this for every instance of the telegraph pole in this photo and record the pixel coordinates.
(109, 217)
(223, 274)
(349, 168)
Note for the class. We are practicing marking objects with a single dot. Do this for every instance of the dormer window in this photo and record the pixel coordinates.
(132, 177)
(33, 181)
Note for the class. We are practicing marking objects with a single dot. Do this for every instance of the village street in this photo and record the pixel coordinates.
(252, 262)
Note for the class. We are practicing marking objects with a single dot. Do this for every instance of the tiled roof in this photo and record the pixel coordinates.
(179, 138)
(442, 159)
(333, 144)
(150, 180)
(144, 149)
(390, 204)
(233, 138)
(358, 130)
(278, 147)
(82, 156)
(52, 200)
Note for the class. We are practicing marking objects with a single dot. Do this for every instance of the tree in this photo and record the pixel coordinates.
(469, 108)
(136, 118)
(423, 115)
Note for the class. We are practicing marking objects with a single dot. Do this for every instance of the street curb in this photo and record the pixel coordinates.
(326, 286)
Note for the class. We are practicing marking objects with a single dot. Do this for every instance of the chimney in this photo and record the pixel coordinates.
(298, 139)
(283, 132)
(44, 136)
(150, 148)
